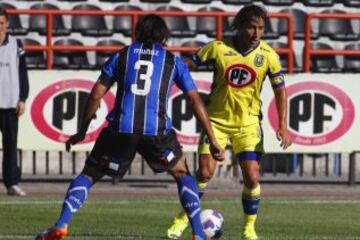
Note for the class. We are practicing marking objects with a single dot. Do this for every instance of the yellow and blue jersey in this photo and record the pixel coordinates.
(144, 74)
(234, 100)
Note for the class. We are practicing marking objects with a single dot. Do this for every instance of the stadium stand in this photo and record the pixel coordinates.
(270, 32)
(38, 23)
(102, 56)
(182, 27)
(352, 3)
(114, 1)
(156, 1)
(34, 59)
(178, 26)
(352, 63)
(337, 29)
(299, 20)
(207, 25)
(239, 2)
(89, 25)
(123, 23)
(278, 2)
(323, 64)
(319, 3)
(196, 1)
(284, 58)
(70, 59)
(15, 26)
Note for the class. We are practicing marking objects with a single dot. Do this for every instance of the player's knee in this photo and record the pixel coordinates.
(251, 182)
(180, 169)
(92, 173)
(204, 175)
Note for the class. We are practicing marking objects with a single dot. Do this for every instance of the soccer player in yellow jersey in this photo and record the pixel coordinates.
(234, 108)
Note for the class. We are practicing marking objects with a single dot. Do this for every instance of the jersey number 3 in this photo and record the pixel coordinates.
(143, 82)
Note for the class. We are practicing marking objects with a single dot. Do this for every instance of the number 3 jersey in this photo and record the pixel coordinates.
(238, 78)
(144, 74)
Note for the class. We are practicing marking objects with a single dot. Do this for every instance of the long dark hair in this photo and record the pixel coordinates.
(3, 12)
(245, 15)
(151, 28)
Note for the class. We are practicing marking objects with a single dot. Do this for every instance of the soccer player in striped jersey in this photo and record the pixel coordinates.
(144, 73)
(234, 106)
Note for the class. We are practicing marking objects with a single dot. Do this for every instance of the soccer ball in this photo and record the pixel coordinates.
(212, 222)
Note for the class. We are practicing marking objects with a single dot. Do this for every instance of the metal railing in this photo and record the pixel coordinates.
(275, 167)
(309, 52)
(50, 48)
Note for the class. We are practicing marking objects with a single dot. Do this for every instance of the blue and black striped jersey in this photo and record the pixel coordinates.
(144, 74)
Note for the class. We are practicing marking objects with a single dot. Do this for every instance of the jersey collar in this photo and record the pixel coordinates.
(230, 43)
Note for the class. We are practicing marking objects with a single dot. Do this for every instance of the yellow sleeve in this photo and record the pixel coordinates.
(275, 70)
(209, 52)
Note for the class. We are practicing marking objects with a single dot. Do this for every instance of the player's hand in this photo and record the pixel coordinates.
(284, 138)
(74, 139)
(217, 152)
(20, 108)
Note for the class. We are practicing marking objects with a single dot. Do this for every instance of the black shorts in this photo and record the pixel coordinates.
(114, 152)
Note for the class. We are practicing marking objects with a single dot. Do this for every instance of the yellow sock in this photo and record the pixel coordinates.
(251, 200)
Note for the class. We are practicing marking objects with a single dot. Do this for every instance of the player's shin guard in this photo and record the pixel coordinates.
(74, 199)
(250, 202)
(188, 193)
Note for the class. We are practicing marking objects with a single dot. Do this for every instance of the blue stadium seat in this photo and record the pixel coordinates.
(207, 25)
(323, 64)
(352, 63)
(318, 3)
(278, 2)
(70, 59)
(34, 59)
(178, 26)
(89, 25)
(102, 56)
(15, 26)
(38, 23)
(299, 17)
(123, 23)
(337, 29)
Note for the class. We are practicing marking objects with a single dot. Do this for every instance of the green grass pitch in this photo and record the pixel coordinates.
(147, 217)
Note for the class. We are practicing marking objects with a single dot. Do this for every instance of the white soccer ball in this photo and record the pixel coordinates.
(212, 222)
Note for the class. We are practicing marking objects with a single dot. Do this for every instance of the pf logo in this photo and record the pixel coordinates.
(319, 113)
(184, 122)
(57, 110)
(240, 75)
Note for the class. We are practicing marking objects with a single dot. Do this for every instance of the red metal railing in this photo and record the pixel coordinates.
(50, 48)
(308, 51)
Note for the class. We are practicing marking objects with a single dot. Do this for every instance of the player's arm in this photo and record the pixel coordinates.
(105, 81)
(185, 82)
(202, 116)
(281, 105)
(93, 103)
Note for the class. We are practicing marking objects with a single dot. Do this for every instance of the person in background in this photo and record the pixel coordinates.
(14, 90)
(234, 107)
(144, 72)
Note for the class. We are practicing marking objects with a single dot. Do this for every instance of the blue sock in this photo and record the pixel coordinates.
(188, 193)
(74, 199)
